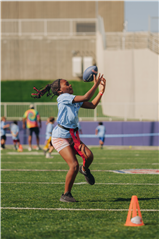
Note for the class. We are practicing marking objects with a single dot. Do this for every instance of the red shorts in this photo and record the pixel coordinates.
(16, 141)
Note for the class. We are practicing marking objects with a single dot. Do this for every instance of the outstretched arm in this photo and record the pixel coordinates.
(6, 126)
(39, 120)
(96, 100)
(90, 93)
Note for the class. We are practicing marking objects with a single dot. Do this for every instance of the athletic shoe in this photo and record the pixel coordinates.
(48, 155)
(29, 149)
(38, 148)
(44, 151)
(67, 197)
(88, 176)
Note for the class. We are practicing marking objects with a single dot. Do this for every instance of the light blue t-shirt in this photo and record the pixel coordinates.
(67, 115)
(14, 130)
(79, 126)
(3, 130)
(101, 130)
(49, 129)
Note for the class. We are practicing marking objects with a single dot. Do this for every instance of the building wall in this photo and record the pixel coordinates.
(43, 59)
(132, 78)
(111, 11)
(49, 57)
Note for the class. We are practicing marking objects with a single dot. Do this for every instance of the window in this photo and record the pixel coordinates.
(85, 27)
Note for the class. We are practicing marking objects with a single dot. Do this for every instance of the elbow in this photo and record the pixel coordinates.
(93, 106)
(86, 99)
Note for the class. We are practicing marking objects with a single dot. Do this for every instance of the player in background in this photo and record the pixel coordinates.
(3, 127)
(46, 139)
(64, 139)
(15, 136)
(100, 131)
(49, 129)
(32, 117)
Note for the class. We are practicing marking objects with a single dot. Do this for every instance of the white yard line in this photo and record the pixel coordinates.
(65, 163)
(61, 170)
(33, 170)
(81, 183)
(29, 153)
(76, 209)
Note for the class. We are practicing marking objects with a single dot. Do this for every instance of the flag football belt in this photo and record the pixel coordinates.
(68, 129)
(76, 141)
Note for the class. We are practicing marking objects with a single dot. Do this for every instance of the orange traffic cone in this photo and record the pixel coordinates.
(20, 149)
(135, 220)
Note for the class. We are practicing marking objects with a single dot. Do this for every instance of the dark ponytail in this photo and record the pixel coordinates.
(55, 87)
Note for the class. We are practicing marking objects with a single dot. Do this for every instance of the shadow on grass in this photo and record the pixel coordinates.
(121, 200)
(129, 199)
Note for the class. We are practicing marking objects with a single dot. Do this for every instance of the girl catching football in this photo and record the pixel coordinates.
(65, 137)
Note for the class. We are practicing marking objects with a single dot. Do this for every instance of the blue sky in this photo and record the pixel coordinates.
(137, 14)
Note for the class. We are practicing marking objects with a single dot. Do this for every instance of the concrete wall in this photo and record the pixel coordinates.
(39, 57)
(132, 77)
(111, 11)
(42, 58)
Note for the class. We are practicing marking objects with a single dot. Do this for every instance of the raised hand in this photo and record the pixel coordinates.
(102, 85)
(98, 79)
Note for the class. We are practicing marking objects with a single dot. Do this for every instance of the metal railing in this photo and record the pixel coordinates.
(80, 27)
(48, 27)
(136, 40)
(15, 111)
(128, 40)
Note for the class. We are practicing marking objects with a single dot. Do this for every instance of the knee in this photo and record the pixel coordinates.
(75, 167)
(86, 152)
(89, 156)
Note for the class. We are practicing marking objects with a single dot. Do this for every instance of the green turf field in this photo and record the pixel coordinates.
(32, 185)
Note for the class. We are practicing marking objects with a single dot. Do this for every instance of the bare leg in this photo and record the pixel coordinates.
(14, 144)
(101, 143)
(30, 141)
(2, 141)
(51, 148)
(37, 138)
(88, 156)
(18, 144)
(70, 158)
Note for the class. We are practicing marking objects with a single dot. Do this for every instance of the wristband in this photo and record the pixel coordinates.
(101, 93)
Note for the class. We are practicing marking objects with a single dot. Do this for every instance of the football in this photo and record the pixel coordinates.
(89, 73)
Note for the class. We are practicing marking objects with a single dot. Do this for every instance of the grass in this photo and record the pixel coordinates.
(23, 89)
(42, 189)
